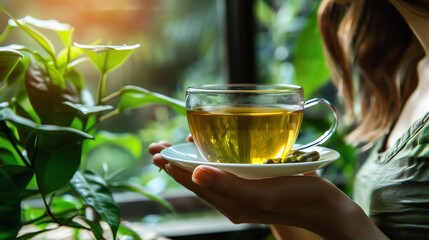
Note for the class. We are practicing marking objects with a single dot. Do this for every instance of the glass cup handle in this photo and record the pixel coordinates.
(330, 131)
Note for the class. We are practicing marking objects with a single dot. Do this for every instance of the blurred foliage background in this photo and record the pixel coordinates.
(182, 44)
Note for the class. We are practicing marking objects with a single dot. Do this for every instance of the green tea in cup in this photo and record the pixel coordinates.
(248, 123)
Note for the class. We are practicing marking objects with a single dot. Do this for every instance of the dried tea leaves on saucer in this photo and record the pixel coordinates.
(295, 157)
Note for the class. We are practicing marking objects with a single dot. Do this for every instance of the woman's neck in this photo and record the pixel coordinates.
(416, 105)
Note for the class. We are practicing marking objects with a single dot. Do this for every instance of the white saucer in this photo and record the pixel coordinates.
(187, 157)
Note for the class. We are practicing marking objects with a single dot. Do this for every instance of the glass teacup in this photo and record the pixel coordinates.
(249, 123)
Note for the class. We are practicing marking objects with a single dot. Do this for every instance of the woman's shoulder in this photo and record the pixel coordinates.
(414, 143)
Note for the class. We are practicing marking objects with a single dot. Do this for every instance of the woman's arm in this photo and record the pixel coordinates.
(283, 232)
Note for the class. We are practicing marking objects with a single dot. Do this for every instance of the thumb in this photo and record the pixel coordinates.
(203, 176)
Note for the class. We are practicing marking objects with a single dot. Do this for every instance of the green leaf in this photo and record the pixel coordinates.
(11, 86)
(68, 134)
(55, 151)
(66, 36)
(135, 97)
(47, 93)
(56, 159)
(17, 47)
(134, 187)
(65, 203)
(127, 232)
(87, 110)
(6, 31)
(41, 39)
(8, 154)
(56, 78)
(68, 221)
(50, 24)
(63, 30)
(7, 157)
(68, 55)
(9, 58)
(107, 58)
(95, 192)
(29, 193)
(19, 175)
(10, 208)
(75, 78)
(310, 64)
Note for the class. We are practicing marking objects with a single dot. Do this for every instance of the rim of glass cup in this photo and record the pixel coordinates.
(245, 88)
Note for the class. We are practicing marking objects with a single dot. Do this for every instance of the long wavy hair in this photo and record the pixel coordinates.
(373, 56)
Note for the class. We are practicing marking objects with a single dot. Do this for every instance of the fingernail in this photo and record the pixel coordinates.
(203, 177)
(167, 166)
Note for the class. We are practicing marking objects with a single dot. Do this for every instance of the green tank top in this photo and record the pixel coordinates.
(393, 186)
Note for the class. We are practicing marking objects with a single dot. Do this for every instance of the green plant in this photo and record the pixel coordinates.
(48, 120)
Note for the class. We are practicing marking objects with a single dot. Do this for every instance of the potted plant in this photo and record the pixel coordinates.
(48, 120)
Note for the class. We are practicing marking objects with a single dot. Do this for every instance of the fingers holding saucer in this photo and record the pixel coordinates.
(159, 161)
(158, 146)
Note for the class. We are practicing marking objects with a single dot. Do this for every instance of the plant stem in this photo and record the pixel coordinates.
(48, 210)
(32, 221)
(109, 115)
(51, 214)
(102, 83)
(110, 97)
(101, 88)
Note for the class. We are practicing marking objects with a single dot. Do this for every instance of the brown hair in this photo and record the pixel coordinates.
(369, 41)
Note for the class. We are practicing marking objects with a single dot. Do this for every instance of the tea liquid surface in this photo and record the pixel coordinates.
(244, 134)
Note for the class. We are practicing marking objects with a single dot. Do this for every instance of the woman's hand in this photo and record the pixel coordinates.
(156, 148)
(308, 202)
